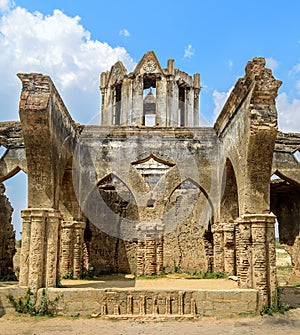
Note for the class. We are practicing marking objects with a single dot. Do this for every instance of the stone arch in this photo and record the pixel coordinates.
(225, 256)
(189, 241)
(229, 207)
(71, 230)
(13, 197)
(285, 204)
(2, 150)
(110, 234)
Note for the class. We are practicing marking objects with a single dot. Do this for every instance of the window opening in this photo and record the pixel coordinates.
(181, 106)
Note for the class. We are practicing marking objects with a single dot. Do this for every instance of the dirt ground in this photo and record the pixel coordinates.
(175, 282)
(288, 324)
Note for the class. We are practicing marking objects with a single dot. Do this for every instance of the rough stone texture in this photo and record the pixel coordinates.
(7, 238)
(173, 196)
(120, 303)
(14, 159)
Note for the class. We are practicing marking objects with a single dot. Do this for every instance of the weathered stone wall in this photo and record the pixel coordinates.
(146, 303)
(177, 190)
(184, 248)
(247, 130)
(285, 197)
(285, 200)
(109, 254)
(155, 203)
(14, 158)
(7, 238)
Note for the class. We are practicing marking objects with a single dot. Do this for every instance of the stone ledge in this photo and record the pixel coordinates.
(133, 303)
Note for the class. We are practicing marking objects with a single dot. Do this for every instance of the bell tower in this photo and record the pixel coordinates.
(150, 95)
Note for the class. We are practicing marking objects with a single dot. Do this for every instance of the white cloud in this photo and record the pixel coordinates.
(271, 63)
(288, 113)
(57, 45)
(124, 32)
(5, 5)
(188, 51)
(219, 101)
(230, 64)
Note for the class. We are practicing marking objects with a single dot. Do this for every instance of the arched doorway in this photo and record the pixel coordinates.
(13, 199)
(111, 212)
(285, 204)
(188, 217)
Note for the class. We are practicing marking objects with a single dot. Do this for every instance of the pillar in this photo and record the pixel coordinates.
(39, 254)
(229, 249)
(189, 107)
(197, 88)
(137, 101)
(256, 254)
(218, 236)
(150, 255)
(66, 247)
(161, 102)
(78, 248)
(37, 269)
(140, 257)
(159, 255)
(24, 259)
(150, 248)
(53, 225)
(244, 253)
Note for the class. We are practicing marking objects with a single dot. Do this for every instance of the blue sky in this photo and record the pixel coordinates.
(73, 41)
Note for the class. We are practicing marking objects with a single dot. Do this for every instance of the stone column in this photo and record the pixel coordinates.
(229, 249)
(78, 248)
(197, 88)
(244, 253)
(150, 255)
(159, 255)
(271, 248)
(36, 277)
(150, 248)
(161, 102)
(257, 256)
(124, 101)
(53, 224)
(140, 258)
(24, 259)
(218, 236)
(137, 101)
(66, 247)
(189, 107)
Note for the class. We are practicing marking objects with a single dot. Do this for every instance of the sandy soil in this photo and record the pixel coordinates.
(174, 282)
(288, 324)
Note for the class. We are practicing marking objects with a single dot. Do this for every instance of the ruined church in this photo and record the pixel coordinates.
(150, 190)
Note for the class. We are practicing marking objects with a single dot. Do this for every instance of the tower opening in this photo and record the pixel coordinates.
(181, 105)
(117, 101)
(149, 101)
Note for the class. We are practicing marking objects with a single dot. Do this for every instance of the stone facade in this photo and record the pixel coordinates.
(149, 190)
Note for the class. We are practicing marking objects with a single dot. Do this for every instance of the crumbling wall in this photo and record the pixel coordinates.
(7, 237)
(109, 254)
(185, 248)
(285, 201)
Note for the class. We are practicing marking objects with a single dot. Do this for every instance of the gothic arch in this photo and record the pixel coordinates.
(192, 227)
(229, 207)
(285, 204)
(110, 234)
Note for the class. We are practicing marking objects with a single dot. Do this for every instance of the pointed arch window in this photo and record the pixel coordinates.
(117, 104)
(149, 100)
(181, 105)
